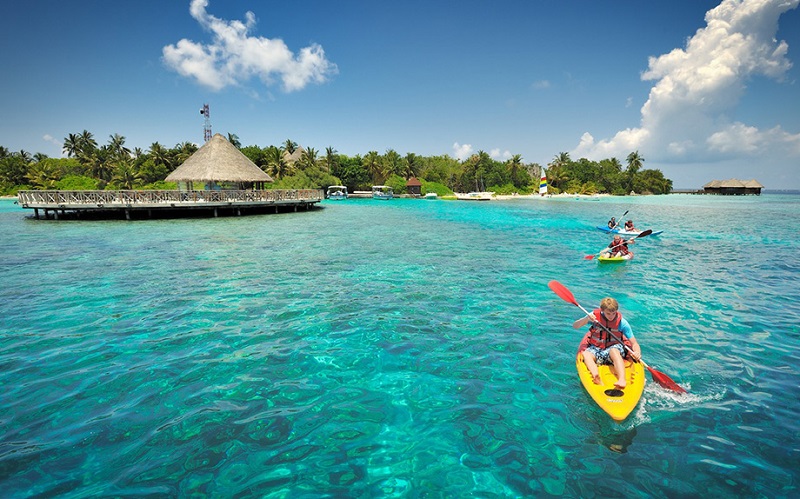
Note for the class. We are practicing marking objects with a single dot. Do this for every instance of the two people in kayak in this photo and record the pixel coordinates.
(605, 343)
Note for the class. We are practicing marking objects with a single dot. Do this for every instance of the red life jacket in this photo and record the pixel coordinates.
(621, 248)
(598, 336)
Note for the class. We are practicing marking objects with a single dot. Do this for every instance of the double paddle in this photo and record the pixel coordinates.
(659, 377)
(616, 223)
(644, 233)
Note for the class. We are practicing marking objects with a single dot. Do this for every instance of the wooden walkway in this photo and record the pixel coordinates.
(165, 204)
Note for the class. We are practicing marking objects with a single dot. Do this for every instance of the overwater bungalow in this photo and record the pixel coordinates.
(733, 187)
(216, 180)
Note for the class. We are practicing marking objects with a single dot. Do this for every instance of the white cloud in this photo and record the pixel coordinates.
(234, 57)
(499, 156)
(541, 84)
(462, 152)
(696, 88)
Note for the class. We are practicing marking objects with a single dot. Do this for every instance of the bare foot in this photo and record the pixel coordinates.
(596, 379)
(620, 384)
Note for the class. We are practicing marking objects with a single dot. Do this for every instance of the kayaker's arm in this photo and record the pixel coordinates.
(581, 322)
(636, 355)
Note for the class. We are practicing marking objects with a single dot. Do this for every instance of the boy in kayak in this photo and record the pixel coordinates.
(629, 226)
(612, 223)
(618, 247)
(602, 347)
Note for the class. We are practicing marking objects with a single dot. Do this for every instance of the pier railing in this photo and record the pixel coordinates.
(131, 198)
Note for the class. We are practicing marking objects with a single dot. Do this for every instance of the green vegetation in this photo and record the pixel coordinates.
(89, 166)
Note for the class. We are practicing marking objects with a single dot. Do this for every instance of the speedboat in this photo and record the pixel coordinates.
(475, 196)
(337, 192)
(382, 192)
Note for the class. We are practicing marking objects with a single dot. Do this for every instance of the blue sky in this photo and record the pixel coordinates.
(702, 89)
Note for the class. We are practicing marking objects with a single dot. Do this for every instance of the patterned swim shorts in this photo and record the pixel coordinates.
(603, 356)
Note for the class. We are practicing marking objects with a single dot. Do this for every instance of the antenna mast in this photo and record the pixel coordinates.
(207, 123)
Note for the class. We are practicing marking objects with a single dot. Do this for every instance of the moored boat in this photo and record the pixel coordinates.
(337, 192)
(382, 192)
(474, 196)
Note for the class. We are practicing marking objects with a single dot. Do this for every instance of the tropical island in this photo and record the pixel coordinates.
(91, 166)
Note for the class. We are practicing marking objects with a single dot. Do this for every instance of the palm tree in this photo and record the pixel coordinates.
(72, 145)
(43, 175)
(635, 162)
(308, 158)
(514, 168)
(411, 165)
(116, 144)
(392, 163)
(331, 159)
(290, 146)
(234, 140)
(276, 163)
(125, 175)
(87, 142)
(159, 154)
(372, 164)
(182, 151)
(561, 159)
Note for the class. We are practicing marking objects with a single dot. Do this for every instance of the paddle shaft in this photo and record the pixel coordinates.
(620, 218)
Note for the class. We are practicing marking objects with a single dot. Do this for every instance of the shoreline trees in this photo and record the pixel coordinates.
(89, 165)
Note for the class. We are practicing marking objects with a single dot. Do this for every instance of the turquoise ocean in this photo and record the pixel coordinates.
(404, 348)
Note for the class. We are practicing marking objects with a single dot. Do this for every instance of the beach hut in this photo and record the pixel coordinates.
(733, 186)
(414, 186)
(219, 165)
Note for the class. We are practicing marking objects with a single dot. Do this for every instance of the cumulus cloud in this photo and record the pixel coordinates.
(696, 89)
(500, 156)
(462, 151)
(234, 56)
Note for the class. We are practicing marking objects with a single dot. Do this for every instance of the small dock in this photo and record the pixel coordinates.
(133, 204)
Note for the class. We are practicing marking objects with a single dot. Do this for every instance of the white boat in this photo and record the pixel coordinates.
(382, 192)
(431, 195)
(475, 196)
(337, 192)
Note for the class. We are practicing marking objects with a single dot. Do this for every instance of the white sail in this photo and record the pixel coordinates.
(543, 184)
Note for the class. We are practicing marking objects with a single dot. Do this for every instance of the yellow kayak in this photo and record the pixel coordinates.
(617, 403)
(615, 259)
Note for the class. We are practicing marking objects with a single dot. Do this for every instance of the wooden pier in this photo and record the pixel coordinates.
(166, 204)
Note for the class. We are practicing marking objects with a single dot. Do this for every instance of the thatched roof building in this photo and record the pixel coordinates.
(219, 162)
(295, 156)
(733, 187)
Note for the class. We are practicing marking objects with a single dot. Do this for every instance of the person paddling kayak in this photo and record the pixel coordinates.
(618, 247)
(606, 348)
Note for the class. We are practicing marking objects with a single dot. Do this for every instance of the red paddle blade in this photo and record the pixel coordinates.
(562, 292)
(664, 380)
(588, 257)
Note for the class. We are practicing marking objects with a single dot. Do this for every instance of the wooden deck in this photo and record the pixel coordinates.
(165, 204)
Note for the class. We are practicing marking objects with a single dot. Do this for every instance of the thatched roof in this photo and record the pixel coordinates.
(218, 161)
(295, 156)
(753, 184)
(733, 183)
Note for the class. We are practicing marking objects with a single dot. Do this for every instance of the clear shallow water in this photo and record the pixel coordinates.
(396, 349)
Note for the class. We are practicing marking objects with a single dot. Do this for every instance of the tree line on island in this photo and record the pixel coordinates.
(91, 166)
